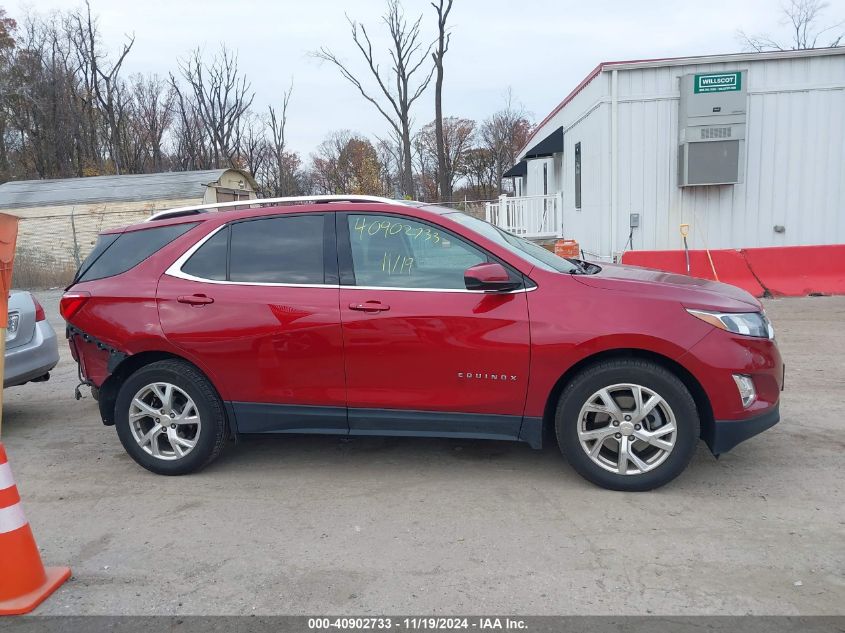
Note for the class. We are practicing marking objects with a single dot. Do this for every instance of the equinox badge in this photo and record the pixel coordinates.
(468, 375)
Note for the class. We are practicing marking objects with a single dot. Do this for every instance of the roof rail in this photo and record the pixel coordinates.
(200, 208)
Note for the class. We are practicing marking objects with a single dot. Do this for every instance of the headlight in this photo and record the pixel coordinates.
(748, 323)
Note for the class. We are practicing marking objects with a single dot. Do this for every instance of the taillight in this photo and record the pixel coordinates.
(39, 310)
(71, 303)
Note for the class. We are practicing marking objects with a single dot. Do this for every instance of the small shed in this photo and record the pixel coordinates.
(60, 218)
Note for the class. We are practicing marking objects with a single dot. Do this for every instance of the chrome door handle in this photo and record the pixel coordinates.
(195, 300)
(370, 306)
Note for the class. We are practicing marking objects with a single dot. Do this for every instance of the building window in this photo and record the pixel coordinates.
(577, 175)
(545, 179)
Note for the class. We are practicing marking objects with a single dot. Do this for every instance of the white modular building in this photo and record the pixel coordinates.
(746, 150)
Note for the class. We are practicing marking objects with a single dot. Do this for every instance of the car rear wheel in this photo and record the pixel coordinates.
(627, 424)
(170, 419)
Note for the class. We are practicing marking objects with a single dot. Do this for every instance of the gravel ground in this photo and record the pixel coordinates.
(315, 525)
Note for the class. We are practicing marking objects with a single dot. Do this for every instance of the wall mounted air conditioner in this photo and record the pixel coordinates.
(711, 128)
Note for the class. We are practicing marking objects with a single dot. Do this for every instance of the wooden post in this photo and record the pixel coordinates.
(559, 214)
(2, 372)
(8, 240)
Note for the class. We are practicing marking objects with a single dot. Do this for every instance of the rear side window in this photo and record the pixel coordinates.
(277, 250)
(103, 242)
(209, 261)
(115, 254)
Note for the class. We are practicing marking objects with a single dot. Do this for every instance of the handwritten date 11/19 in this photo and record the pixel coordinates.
(396, 265)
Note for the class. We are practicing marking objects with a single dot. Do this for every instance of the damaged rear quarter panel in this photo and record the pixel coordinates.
(121, 315)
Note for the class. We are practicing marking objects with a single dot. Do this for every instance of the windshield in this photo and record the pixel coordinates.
(529, 251)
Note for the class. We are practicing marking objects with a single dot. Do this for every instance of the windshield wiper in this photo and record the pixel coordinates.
(580, 267)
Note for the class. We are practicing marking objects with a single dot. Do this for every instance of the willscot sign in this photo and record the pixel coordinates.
(717, 82)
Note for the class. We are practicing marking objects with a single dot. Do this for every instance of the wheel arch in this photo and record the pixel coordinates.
(107, 392)
(699, 396)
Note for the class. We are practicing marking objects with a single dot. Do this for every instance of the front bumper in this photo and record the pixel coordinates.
(714, 361)
(723, 435)
(34, 359)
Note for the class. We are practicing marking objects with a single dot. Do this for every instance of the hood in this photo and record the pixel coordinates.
(692, 292)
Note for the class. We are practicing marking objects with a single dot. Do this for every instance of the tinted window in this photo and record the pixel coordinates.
(398, 252)
(209, 261)
(103, 242)
(278, 250)
(129, 249)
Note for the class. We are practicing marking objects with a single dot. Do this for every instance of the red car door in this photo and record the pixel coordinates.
(423, 353)
(264, 322)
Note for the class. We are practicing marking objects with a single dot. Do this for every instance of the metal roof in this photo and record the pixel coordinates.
(173, 185)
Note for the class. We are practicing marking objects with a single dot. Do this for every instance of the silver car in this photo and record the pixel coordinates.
(31, 346)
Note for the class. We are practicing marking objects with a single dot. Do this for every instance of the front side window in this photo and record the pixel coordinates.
(284, 250)
(396, 252)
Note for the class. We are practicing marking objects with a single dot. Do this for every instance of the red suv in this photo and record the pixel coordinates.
(364, 316)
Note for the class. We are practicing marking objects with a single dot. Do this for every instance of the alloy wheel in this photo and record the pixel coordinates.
(627, 429)
(164, 421)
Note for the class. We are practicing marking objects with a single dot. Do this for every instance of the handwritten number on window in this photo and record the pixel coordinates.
(378, 227)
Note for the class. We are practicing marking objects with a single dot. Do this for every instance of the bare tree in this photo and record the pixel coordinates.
(253, 150)
(442, 7)
(146, 113)
(389, 152)
(803, 19)
(219, 96)
(55, 123)
(456, 136)
(190, 143)
(407, 56)
(503, 134)
(283, 181)
(154, 100)
(482, 181)
(7, 30)
(104, 77)
(346, 163)
(7, 45)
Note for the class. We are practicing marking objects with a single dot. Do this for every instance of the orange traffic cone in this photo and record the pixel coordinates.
(24, 582)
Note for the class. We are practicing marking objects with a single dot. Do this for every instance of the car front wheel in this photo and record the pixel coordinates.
(627, 424)
(169, 418)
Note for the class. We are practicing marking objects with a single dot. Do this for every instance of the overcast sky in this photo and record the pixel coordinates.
(539, 48)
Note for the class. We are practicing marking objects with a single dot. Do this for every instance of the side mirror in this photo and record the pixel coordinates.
(489, 276)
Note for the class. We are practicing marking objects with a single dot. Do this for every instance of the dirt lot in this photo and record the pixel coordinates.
(315, 525)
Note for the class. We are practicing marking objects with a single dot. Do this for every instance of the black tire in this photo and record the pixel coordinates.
(633, 371)
(211, 435)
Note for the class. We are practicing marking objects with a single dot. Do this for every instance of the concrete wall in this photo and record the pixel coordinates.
(46, 234)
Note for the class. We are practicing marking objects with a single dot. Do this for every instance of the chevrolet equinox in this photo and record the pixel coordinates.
(363, 316)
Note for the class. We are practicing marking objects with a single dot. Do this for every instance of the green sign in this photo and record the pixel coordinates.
(718, 82)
